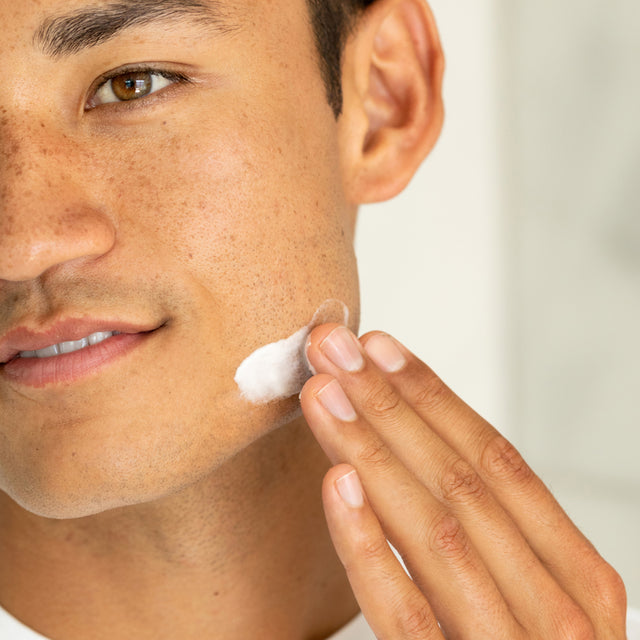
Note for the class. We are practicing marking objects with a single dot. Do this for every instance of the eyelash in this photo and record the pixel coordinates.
(174, 76)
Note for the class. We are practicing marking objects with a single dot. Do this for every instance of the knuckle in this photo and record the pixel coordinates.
(461, 483)
(433, 396)
(574, 624)
(366, 549)
(448, 538)
(611, 586)
(375, 453)
(373, 550)
(609, 591)
(381, 400)
(502, 462)
(417, 622)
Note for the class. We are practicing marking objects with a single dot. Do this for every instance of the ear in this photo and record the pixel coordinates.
(392, 86)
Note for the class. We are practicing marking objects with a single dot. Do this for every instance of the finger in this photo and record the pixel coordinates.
(433, 544)
(562, 548)
(523, 580)
(390, 601)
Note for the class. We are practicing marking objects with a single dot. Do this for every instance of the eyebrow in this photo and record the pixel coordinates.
(90, 26)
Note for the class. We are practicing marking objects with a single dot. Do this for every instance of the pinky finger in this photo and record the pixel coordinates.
(391, 602)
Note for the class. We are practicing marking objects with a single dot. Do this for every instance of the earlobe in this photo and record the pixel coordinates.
(393, 111)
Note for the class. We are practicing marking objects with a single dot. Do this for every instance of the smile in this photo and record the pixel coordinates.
(69, 351)
(69, 347)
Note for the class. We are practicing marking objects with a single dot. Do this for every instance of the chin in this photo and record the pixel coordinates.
(57, 500)
(66, 483)
(64, 503)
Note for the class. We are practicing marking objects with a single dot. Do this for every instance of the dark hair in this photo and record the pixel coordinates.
(332, 21)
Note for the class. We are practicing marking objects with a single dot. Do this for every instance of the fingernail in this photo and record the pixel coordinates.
(342, 348)
(306, 357)
(384, 351)
(350, 489)
(335, 401)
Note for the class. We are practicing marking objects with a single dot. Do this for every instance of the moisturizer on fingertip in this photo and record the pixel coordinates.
(279, 369)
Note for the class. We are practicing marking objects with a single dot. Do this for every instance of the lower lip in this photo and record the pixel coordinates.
(71, 367)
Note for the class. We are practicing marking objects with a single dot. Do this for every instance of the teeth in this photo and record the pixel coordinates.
(101, 336)
(69, 347)
(49, 352)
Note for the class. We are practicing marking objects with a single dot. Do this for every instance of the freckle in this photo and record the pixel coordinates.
(73, 455)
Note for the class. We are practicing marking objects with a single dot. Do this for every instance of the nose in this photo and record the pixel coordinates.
(47, 214)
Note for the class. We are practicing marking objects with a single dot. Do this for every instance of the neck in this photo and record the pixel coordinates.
(244, 552)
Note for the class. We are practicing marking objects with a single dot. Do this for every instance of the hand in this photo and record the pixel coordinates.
(490, 552)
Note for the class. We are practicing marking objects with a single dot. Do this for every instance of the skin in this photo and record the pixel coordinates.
(491, 552)
(170, 212)
(126, 235)
(149, 500)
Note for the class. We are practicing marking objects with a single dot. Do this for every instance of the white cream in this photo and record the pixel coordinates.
(279, 369)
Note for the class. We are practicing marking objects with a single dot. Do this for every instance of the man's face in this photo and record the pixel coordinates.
(209, 213)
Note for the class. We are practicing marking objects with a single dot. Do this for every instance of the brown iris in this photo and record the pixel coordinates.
(129, 86)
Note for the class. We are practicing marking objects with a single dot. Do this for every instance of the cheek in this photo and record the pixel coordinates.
(245, 219)
(279, 370)
(250, 209)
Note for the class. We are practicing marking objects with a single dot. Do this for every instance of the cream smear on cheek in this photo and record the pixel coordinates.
(280, 369)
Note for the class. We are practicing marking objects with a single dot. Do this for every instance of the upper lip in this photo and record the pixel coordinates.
(25, 338)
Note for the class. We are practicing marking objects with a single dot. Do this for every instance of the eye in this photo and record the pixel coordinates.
(127, 86)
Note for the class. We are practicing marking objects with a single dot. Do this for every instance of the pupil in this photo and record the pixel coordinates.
(132, 85)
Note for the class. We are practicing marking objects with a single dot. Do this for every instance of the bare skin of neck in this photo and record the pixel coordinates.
(244, 554)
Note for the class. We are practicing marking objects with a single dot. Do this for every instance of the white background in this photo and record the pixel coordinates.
(512, 263)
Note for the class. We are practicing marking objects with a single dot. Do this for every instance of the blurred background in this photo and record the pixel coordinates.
(512, 263)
